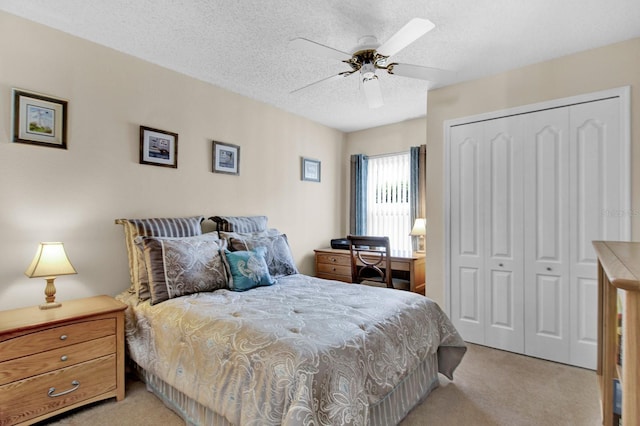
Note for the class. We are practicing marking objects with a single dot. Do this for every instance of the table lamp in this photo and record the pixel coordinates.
(49, 262)
(419, 230)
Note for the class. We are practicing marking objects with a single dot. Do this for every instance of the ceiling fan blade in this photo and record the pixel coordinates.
(420, 72)
(317, 49)
(372, 92)
(413, 30)
(332, 77)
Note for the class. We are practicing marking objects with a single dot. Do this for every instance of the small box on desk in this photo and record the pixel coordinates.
(340, 243)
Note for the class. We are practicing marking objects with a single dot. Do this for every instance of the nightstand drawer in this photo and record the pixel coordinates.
(21, 368)
(323, 268)
(56, 337)
(38, 395)
(334, 259)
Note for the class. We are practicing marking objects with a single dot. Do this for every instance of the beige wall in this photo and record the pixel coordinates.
(74, 195)
(598, 69)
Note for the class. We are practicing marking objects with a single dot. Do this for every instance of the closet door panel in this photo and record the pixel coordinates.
(596, 176)
(503, 233)
(546, 251)
(467, 234)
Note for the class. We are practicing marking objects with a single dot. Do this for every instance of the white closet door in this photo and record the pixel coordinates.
(596, 156)
(467, 234)
(546, 219)
(503, 201)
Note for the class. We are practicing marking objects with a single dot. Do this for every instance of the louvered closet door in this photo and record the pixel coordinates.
(596, 156)
(467, 233)
(546, 249)
(503, 200)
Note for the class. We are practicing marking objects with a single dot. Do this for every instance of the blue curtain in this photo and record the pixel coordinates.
(358, 225)
(417, 184)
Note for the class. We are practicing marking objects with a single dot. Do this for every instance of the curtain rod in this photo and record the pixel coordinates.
(390, 154)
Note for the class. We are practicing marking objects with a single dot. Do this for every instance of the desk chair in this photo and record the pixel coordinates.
(371, 262)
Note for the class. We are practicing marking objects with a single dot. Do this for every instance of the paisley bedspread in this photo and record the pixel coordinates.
(303, 351)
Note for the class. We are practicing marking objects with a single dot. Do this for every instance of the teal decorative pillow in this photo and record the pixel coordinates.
(247, 269)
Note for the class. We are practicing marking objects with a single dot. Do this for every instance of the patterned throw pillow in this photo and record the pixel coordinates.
(247, 269)
(240, 223)
(181, 266)
(278, 255)
(156, 227)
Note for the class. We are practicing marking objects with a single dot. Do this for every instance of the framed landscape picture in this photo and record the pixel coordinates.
(39, 119)
(158, 147)
(226, 158)
(310, 169)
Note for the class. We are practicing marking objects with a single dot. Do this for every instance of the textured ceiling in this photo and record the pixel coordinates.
(243, 45)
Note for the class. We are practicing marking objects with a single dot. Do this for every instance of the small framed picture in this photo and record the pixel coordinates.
(158, 147)
(226, 158)
(310, 169)
(39, 120)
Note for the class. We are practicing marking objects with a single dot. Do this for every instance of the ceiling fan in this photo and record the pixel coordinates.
(371, 56)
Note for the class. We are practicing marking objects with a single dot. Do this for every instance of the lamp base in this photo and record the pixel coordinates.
(50, 293)
(50, 305)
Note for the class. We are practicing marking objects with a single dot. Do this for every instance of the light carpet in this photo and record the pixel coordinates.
(490, 387)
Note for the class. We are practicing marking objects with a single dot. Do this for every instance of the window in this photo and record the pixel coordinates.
(387, 195)
(388, 210)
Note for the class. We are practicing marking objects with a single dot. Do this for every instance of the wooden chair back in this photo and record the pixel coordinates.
(370, 260)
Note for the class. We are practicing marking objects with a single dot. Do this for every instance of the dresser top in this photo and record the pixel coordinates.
(33, 316)
(394, 254)
(621, 262)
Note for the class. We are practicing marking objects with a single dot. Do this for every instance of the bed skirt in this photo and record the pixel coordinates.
(410, 392)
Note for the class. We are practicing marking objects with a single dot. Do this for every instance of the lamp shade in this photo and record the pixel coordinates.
(50, 261)
(419, 227)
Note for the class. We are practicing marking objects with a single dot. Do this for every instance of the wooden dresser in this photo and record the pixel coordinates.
(335, 264)
(619, 278)
(58, 359)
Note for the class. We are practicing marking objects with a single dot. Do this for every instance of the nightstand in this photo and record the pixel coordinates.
(55, 360)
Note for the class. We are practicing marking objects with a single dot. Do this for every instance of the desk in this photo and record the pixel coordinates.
(335, 264)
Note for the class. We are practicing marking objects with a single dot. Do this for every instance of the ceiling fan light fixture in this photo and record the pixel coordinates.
(368, 71)
(372, 92)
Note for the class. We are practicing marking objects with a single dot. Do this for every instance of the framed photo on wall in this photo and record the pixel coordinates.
(226, 158)
(158, 147)
(310, 169)
(39, 119)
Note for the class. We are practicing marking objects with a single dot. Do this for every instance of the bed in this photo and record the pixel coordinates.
(293, 350)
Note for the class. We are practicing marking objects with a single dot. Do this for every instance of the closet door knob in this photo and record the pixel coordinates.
(500, 265)
(548, 268)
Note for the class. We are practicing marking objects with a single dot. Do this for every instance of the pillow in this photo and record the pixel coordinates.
(247, 269)
(208, 225)
(157, 227)
(278, 255)
(240, 223)
(181, 266)
(227, 235)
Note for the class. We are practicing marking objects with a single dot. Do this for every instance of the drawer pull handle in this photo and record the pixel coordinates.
(63, 358)
(63, 337)
(52, 394)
